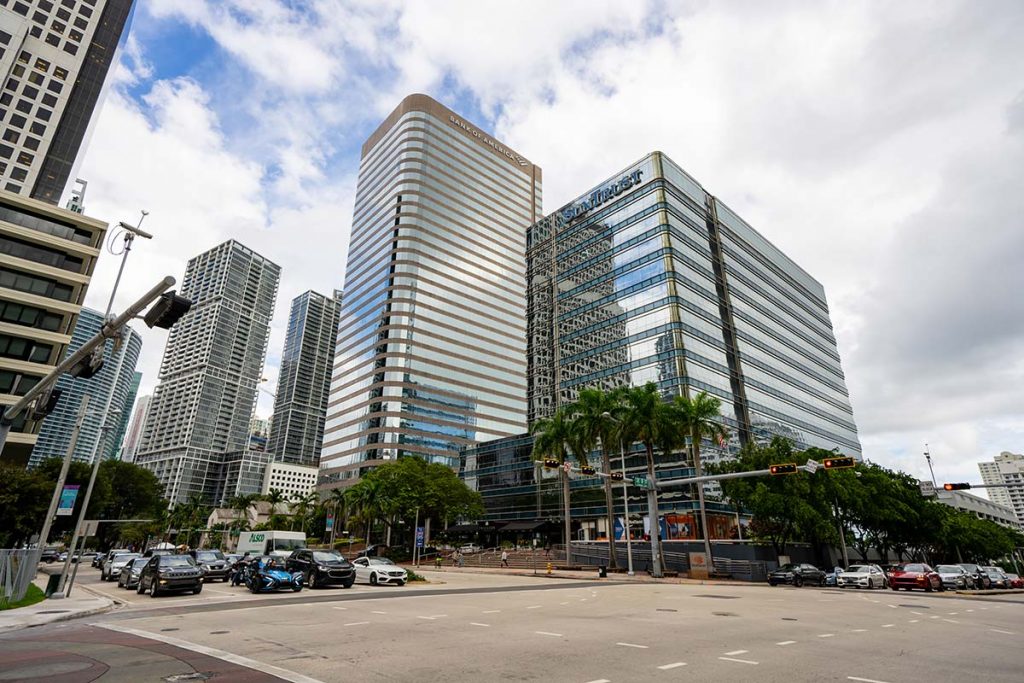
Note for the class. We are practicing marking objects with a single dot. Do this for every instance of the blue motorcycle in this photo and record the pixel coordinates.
(266, 575)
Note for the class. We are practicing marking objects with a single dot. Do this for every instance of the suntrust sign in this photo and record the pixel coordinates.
(483, 137)
(600, 196)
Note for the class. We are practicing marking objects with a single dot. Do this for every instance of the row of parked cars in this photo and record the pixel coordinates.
(907, 576)
(162, 571)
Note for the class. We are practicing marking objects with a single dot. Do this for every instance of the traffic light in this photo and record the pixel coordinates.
(167, 310)
(615, 476)
(838, 463)
(956, 487)
(551, 463)
(588, 470)
(788, 468)
(45, 404)
(89, 366)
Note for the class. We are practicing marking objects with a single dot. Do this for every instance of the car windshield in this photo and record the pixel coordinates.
(380, 560)
(948, 569)
(176, 561)
(289, 544)
(970, 567)
(139, 562)
(913, 568)
(327, 557)
(788, 567)
(209, 555)
(859, 568)
(125, 557)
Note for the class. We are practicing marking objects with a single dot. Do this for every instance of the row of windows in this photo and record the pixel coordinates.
(34, 221)
(19, 348)
(30, 316)
(35, 284)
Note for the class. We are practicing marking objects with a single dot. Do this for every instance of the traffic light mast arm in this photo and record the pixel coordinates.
(671, 483)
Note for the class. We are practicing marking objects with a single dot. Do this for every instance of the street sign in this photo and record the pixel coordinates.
(642, 482)
(811, 466)
(90, 527)
(419, 537)
(329, 523)
(67, 500)
(927, 488)
(698, 566)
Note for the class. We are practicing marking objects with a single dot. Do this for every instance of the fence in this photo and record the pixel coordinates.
(17, 569)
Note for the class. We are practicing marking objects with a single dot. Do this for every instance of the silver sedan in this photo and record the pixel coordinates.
(862, 576)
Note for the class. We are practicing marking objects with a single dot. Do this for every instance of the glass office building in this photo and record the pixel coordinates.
(431, 348)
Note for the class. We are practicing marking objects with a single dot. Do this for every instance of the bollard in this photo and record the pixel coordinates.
(53, 586)
(602, 572)
(550, 567)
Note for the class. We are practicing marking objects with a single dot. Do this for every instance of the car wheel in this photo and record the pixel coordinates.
(797, 582)
(153, 590)
(928, 587)
(138, 588)
(348, 584)
(296, 589)
(311, 581)
(821, 582)
(401, 583)
(373, 579)
(772, 583)
(198, 589)
(894, 588)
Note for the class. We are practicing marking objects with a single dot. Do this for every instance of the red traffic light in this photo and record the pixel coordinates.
(956, 487)
(837, 463)
(788, 468)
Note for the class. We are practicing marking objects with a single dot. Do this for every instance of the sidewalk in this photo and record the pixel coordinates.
(579, 575)
(49, 611)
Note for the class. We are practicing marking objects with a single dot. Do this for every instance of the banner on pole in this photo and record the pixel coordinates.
(67, 500)
(419, 537)
(329, 526)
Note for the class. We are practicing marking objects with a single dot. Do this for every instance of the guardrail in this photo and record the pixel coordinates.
(17, 569)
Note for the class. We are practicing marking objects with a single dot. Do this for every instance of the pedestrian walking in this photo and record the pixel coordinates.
(504, 558)
(462, 559)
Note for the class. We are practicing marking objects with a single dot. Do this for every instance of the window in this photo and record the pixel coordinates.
(6, 98)
(53, 39)
(64, 14)
(18, 121)
(11, 136)
(25, 158)
(21, 8)
(75, 35)
(37, 128)
(6, 151)
(45, 5)
(39, 18)
(49, 100)
(58, 26)
(36, 31)
(42, 64)
(60, 72)
(19, 174)
(18, 70)
(43, 114)
(29, 91)
(12, 84)
(5, 38)
(24, 106)
(55, 86)
(81, 23)
(70, 48)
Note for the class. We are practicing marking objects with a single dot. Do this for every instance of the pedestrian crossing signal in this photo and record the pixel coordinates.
(837, 463)
(788, 468)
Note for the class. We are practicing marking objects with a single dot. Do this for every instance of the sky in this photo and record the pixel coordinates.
(879, 144)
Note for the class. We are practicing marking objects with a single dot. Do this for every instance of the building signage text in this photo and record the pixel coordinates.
(483, 137)
(599, 197)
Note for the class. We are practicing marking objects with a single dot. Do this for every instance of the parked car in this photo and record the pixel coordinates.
(863, 576)
(100, 558)
(129, 577)
(797, 575)
(113, 566)
(215, 566)
(915, 575)
(832, 576)
(978, 576)
(377, 570)
(50, 555)
(470, 548)
(997, 576)
(266, 573)
(1015, 581)
(954, 576)
(322, 568)
(153, 552)
(170, 573)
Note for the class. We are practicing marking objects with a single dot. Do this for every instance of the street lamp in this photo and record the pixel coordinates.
(625, 502)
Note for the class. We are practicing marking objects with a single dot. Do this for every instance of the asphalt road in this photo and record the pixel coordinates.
(488, 628)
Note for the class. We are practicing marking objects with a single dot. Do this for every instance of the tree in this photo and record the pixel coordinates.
(554, 439)
(303, 506)
(275, 497)
(24, 498)
(699, 417)
(595, 417)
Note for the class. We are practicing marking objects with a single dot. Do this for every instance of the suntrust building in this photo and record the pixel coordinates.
(649, 278)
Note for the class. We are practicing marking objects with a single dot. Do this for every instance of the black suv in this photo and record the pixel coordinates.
(170, 573)
(798, 575)
(213, 563)
(322, 568)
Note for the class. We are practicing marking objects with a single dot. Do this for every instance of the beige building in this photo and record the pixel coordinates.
(47, 257)
(979, 507)
(291, 480)
(1005, 469)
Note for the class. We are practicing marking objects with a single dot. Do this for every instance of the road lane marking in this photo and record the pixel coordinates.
(534, 606)
(888, 625)
(825, 635)
(600, 680)
(894, 606)
(548, 633)
(860, 630)
(736, 652)
(996, 630)
(642, 647)
(564, 603)
(377, 611)
(341, 608)
(920, 614)
(952, 614)
(913, 621)
(741, 661)
(951, 621)
(476, 623)
(490, 611)
(787, 642)
(421, 617)
(437, 616)
(863, 680)
(357, 623)
(674, 665)
(270, 669)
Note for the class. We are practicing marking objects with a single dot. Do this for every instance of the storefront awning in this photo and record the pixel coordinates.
(463, 529)
(522, 526)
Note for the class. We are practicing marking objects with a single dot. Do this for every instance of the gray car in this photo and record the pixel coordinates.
(113, 565)
(129, 577)
(954, 576)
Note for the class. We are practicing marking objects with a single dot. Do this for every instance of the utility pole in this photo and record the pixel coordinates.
(44, 535)
(928, 457)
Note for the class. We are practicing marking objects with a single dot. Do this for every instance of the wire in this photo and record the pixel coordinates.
(115, 233)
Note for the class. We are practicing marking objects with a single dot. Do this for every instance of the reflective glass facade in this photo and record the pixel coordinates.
(431, 348)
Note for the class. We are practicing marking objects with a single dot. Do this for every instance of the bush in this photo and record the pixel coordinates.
(413, 576)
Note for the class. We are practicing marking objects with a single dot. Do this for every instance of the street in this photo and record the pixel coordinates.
(484, 627)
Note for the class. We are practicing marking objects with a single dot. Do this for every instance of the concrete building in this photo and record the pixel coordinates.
(110, 383)
(431, 349)
(115, 443)
(196, 437)
(259, 434)
(47, 257)
(300, 404)
(54, 57)
(980, 507)
(1005, 468)
(134, 433)
(290, 479)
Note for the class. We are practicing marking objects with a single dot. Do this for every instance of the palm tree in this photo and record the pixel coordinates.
(337, 501)
(699, 417)
(648, 419)
(554, 438)
(304, 504)
(275, 497)
(364, 496)
(595, 421)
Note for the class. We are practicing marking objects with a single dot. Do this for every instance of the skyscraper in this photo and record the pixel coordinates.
(55, 433)
(54, 57)
(116, 441)
(431, 349)
(1005, 468)
(196, 434)
(47, 257)
(300, 405)
(134, 433)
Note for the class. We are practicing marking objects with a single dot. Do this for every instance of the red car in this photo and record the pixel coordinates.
(910, 576)
(1015, 581)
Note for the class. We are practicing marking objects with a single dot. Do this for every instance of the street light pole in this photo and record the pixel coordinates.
(625, 510)
(44, 535)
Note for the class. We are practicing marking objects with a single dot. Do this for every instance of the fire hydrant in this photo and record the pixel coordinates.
(550, 567)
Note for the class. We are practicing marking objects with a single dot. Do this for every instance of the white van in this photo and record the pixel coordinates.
(276, 543)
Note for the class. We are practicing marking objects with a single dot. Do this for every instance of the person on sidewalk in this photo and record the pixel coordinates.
(504, 558)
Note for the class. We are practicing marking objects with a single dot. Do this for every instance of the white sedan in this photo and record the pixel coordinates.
(377, 570)
(862, 576)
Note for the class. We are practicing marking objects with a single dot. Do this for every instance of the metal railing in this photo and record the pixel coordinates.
(17, 569)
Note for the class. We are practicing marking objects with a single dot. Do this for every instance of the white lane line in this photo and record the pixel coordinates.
(825, 635)
(920, 614)
(951, 621)
(341, 608)
(564, 603)
(860, 630)
(863, 680)
(534, 606)
(475, 623)
(996, 630)
(787, 642)
(913, 621)
(490, 611)
(736, 652)
(357, 623)
(377, 611)
(213, 652)
(970, 610)
(430, 618)
(548, 633)
(888, 625)
(583, 599)
(642, 647)
(894, 606)
(437, 616)
(599, 680)
(741, 661)
(934, 616)
(952, 614)
(673, 665)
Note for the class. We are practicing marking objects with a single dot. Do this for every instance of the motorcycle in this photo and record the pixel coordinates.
(265, 576)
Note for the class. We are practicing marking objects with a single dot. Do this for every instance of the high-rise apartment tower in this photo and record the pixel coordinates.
(300, 404)
(197, 431)
(1006, 468)
(54, 58)
(431, 349)
(134, 433)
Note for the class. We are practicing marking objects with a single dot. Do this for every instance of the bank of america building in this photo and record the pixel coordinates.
(647, 277)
